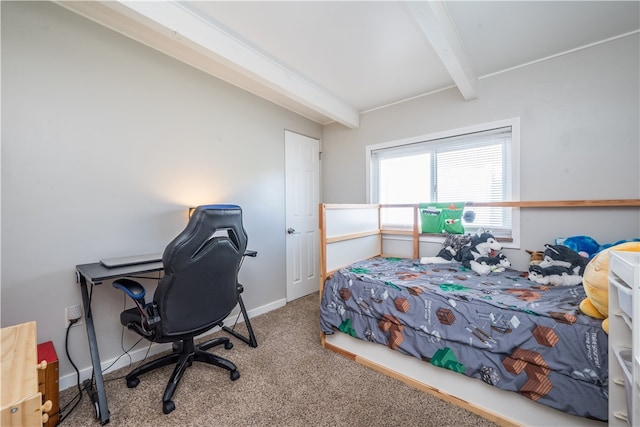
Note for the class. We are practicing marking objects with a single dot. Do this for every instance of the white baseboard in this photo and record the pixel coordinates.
(110, 365)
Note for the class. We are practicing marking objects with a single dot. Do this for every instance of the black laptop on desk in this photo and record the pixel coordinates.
(131, 260)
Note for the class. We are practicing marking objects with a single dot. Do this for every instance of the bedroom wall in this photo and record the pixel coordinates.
(579, 140)
(105, 143)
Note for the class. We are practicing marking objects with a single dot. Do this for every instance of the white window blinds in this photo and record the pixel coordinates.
(462, 168)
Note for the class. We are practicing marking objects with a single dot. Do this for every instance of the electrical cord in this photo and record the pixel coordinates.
(78, 396)
(75, 400)
(139, 363)
(87, 385)
(233, 328)
(126, 351)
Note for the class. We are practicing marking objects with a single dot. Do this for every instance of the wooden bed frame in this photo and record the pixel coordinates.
(353, 232)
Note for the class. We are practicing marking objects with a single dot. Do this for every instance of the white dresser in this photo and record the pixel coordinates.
(624, 339)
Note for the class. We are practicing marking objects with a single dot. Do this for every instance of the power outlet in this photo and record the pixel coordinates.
(73, 312)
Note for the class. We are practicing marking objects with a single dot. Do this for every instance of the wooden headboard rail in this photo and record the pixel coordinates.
(603, 203)
(608, 203)
(612, 203)
(365, 227)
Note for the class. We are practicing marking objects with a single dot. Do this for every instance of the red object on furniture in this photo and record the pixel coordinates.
(48, 381)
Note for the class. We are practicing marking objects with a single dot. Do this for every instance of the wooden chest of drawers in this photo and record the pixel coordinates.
(20, 400)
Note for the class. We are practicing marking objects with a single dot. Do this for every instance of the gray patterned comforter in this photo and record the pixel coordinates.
(501, 328)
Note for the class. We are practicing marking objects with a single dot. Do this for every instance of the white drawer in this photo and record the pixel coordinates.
(626, 265)
(625, 295)
(624, 359)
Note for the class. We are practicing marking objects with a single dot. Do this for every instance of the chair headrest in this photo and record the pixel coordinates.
(206, 222)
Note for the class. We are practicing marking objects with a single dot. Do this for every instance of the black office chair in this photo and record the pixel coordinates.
(198, 291)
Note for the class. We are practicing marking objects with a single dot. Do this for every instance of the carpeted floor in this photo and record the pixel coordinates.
(288, 380)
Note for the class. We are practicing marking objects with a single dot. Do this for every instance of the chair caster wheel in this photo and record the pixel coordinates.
(133, 382)
(228, 345)
(168, 406)
(234, 375)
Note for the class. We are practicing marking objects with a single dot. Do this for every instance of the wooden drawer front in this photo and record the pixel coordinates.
(27, 413)
(19, 372)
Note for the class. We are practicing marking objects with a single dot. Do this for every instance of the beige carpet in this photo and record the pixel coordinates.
(288, 380)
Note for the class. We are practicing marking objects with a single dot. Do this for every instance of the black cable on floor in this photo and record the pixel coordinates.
(89, 383)
(79, 395)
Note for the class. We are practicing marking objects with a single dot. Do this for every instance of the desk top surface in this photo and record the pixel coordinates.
(96, 272)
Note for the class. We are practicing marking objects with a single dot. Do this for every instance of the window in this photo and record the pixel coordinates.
(476, 164)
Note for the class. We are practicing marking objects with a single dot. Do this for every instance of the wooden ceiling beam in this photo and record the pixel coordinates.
(435, 23)
(185, 34)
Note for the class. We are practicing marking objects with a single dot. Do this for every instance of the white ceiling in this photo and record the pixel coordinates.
(332, 60)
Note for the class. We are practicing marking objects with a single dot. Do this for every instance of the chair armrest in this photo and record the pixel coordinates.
(250, 253)
(149, 321)
(132, 288)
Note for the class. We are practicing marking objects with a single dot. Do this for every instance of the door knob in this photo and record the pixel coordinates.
(291, 230)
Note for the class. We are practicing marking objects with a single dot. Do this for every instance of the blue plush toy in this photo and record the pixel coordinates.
(587, 246)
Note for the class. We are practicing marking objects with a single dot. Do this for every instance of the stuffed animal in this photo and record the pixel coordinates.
(584, 245)
(595, 281)
(555, 275)
(561, 266)
(565, 257)
(482, 244)
(445, 256)
(588, 246)
(451, 245)
(536, 257)
(494, 264)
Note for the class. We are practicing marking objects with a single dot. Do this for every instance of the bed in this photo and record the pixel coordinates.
(511, 350)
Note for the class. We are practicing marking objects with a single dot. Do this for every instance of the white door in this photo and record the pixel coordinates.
(302, 169)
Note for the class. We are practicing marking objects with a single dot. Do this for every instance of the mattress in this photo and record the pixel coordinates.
(500, 328)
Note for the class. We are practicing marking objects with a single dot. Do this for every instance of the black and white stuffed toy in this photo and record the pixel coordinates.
(493, 264)
(482, 244)
(476, 252)
(451, 245)
(556, 275)
(561, 266)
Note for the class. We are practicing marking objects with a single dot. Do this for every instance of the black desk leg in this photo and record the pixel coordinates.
(102, 410)
(252, 338)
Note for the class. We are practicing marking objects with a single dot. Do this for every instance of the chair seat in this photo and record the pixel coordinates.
(132, 319)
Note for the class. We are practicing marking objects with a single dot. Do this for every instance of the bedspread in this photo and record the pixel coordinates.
(501, 328)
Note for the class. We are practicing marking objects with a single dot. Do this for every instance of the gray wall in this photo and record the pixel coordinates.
(105, 143)
(579, 140)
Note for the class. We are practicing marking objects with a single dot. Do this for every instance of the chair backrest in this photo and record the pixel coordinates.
(199, 288)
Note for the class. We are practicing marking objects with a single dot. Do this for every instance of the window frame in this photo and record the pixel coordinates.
(512, 180)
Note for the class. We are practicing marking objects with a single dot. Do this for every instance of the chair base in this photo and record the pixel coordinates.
(183, 356)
